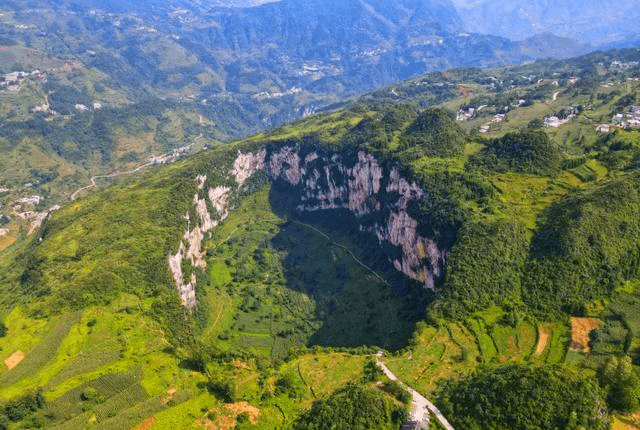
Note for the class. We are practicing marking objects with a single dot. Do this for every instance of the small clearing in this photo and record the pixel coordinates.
(543, 336)
(624, 423)
(14, 359)
(224, 423)
(146, 424)
(580, 329)
(240, 365)
(169, 397)
(241, 407)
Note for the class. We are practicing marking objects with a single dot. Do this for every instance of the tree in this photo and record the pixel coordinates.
(3, 329)
(525, 398)
(371, 371)
(535, 123)
(352, 407)
(621, 383)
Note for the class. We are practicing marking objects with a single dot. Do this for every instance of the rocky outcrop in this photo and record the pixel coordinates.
(378, 196)
(370, 191)
(246, 165)
(194, 251)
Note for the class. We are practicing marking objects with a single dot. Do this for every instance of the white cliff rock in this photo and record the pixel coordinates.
(326, 183)
(206, 222)
(201, 179)
(398, 184)
(285, 164)
(246, 165)
(364, 182)
(219, 198)
(195, 252)
(186, 291)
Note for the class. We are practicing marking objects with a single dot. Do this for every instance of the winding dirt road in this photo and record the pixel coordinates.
(420, 406)
(150, 163)
(113, 175)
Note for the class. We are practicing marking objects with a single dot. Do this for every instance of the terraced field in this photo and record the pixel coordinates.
(443, 352)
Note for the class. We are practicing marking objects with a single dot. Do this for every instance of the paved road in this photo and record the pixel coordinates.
(420, 407)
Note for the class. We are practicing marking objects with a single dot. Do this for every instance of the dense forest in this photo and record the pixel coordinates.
(515, 396)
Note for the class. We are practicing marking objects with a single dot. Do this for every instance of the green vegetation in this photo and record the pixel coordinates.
(44, 352)
(353, 407)
(588, 241)
(621, 383)
(536, 225)
(433, 134)
(515, 396)
(523, 151)
(22, 408)
(485, 268)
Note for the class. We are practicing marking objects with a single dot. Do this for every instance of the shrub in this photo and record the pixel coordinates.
(352, 407)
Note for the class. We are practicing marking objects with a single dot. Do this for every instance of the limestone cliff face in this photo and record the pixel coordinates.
(377, 195)
(190, 247)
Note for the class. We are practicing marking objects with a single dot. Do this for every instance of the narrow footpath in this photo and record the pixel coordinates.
(420, 406)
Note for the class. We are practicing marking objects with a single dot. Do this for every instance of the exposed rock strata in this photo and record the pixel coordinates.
(365, 188)
(378, 196)
(194, 251)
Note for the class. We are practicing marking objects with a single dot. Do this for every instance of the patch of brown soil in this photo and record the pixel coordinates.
(14, 359)
(169, 397)
(240, 365)
(580, 329)
(465, 92)
(147, 424)
(222, 423)
(543, 336)
(241, 407)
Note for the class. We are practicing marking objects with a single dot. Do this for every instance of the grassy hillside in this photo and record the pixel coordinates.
(538, 226)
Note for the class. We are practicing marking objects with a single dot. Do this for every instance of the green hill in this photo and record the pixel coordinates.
(261, 275)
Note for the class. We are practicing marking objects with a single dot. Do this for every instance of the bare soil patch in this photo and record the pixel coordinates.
(240, 365)
(241, 407)
(543, 336)
(223, 423)
(169, 397)
(147, 424)
(580, 329)
(14, 359)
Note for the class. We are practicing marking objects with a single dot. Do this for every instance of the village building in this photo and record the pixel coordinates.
(465, 115)
(552, 121)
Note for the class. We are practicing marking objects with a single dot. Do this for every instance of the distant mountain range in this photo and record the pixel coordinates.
(277, 61)
(337, 47)
(607, 23)
(243, 69)
(596, 22)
